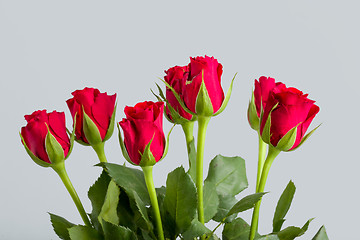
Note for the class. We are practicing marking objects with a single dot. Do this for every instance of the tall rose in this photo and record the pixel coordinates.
(202, 92)
(263, 88)
(94, 115)
(142, 126)
(37, 141)
(176, 77)
(287, 116)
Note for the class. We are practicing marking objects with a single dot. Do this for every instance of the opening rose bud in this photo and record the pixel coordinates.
(45, 137)
(144, 138)
(202, 92)
(263, 88)
(176, 77)
(287, 115)
(95, 113)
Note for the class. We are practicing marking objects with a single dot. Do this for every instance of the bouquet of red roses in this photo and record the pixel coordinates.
(125, 202)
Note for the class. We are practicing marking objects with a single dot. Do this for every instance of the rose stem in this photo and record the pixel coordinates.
(202, 125)
(153, 198)
(261, 159)
(273, 152)
(60, 170)
(99, 149)
(188, 129)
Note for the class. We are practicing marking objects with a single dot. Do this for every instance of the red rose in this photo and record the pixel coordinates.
(263, 89)
(176, 78)
(208, 100)
(39, 125)
(144, 124)
(99, 107)
(287, 115)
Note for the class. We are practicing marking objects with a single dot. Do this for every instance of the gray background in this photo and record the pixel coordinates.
(50, 48)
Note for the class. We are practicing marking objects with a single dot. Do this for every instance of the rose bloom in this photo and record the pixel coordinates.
(205, 69)
(98, 106)
(176, 78)
(288, 108)
(39, 124)
(144, 123)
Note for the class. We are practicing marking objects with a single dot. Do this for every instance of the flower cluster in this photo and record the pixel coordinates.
(126, 204)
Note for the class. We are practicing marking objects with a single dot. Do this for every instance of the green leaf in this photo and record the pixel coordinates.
(192, 160)
(84, 233)
(96, 194)
(283, 206)
(61, 226)
(196, 229)
(115, 232)
(292, 232)
(225, 204)
(125, 212)
(143, 211)
(268, 237)
(321, 234)
(130, 179)
(227, 97)
(109, 208)
(245, 203)
(211, 201)
(180, 198)
(237, 230)
(228, 174)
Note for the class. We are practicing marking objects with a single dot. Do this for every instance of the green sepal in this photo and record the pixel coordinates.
(166, 149)
(288, 140)
(265, 135)
(253, 118)
(37, 160)
(176, 117)
(178, 98)
(306, 137)
(53, 148)
(147, 158)
(123, 148)
(227, 98)
(203, 105)
(72, 138)
(111, 125)
(91, 131)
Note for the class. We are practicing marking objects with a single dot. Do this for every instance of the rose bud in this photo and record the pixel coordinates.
(144, 140)
(202, 91)
(95, 115)
(176, 78)
(287, 115)
(259, 98)
(45, 138)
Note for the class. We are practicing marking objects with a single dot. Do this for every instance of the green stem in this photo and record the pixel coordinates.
(153, 198)
(99, 149)
(273, 152)
(261, 160)
(60, 170)
(202, 125)
(188, 129)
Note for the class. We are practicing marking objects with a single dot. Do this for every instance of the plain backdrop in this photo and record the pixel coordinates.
(50, 48)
